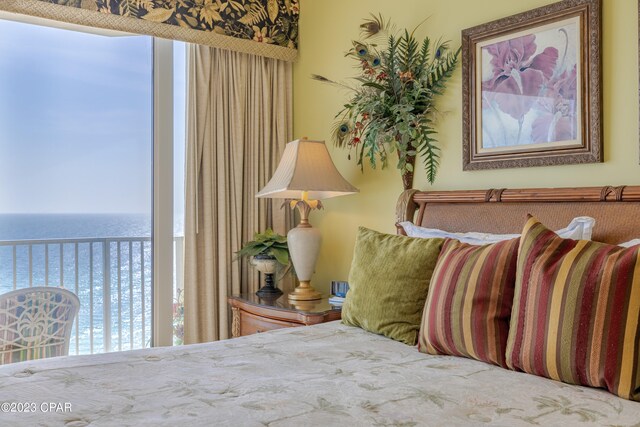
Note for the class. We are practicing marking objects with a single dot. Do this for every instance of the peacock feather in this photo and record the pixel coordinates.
(373, 26)
(360, 49)
(341, 132)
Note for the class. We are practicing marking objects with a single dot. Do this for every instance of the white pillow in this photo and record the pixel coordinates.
(630, 243)
(579, 228)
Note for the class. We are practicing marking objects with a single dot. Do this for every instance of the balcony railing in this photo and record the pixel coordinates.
(111, 276)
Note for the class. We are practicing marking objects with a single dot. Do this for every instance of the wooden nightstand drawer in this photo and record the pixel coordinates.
(252, 324)
(252, 315)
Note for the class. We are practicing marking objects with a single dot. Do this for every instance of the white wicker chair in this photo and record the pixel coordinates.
(36, 323)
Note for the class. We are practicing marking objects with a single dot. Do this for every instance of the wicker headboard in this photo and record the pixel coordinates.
(616, 209)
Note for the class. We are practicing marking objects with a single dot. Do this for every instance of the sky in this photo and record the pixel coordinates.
(76, 122)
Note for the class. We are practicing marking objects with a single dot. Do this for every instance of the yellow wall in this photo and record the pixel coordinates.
(326, 29)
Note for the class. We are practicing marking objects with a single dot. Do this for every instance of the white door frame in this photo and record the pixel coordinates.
(162, 193)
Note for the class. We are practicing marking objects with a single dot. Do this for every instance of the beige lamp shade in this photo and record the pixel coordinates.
(306, 166)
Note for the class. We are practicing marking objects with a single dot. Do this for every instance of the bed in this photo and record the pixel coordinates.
(332, 374)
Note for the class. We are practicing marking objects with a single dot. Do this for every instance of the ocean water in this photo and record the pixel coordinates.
(59, 226)
(120, 240)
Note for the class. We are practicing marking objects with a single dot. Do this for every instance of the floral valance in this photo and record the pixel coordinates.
(261, 27)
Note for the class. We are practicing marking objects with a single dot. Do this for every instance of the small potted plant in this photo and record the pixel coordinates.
(266, 251)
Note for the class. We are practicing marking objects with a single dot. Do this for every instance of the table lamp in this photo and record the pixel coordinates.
(306, 174)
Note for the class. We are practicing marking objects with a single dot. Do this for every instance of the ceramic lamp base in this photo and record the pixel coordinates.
(304, 247)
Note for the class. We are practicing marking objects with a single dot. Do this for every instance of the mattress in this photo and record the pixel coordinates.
(326, 375)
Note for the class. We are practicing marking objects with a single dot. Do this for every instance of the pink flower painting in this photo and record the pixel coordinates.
(529, 89)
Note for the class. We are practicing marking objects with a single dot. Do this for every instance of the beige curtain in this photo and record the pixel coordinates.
(239, 118)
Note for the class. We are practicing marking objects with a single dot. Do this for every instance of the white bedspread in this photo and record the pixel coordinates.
(327, 375)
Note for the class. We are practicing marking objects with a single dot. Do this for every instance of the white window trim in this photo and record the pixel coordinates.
(162, 193)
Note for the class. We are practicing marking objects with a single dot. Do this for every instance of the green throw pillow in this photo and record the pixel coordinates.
(388, 283)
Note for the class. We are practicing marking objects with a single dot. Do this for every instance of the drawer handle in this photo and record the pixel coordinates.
(258, 331)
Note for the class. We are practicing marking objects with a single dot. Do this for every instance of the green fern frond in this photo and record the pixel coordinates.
(441, 73)
(423, 57)
(391, 68)
(430, 158)
(407, 51)
(391, 55)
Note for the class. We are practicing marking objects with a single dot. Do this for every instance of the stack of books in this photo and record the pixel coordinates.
(338, 292)
(336, 300)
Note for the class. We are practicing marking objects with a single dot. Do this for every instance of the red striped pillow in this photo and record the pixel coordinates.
(469, 303)
(576, 312)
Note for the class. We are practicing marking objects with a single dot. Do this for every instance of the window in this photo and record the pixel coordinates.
(77, 175)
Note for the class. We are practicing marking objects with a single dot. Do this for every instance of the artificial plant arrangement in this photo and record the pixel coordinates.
(392, 102)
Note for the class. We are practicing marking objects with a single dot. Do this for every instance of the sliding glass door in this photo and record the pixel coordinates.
(81, 121)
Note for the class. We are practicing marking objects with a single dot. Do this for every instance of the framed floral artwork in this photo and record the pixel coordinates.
(531, 88)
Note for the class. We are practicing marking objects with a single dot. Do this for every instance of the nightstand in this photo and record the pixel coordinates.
(252, 315)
